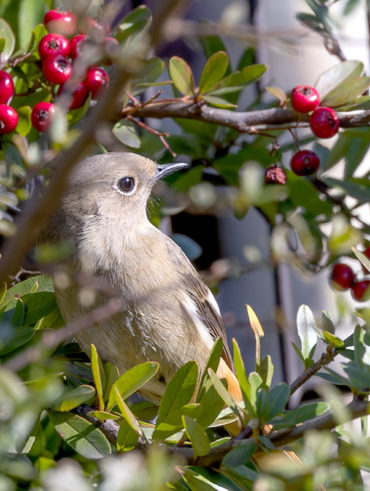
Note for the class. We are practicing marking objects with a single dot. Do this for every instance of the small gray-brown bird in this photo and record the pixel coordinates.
(171, 316)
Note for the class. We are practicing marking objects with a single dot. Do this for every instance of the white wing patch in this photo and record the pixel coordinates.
(192, 311)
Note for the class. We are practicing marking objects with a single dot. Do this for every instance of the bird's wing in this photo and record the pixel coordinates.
(200, 305)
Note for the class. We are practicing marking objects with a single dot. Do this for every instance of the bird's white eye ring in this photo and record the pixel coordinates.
(126, 185)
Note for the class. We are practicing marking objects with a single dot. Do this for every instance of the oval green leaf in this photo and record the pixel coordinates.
(74, 398)
(131, 381)
(181, 75)
(7, 35)
(81, 435)
(197, 436)
(336, 75)
(213, 71)
(126, 133)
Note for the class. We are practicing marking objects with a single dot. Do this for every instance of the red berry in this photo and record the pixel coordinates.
(342, 277)
(75, 45)
(304, 163)
(53, 44)
(61, 22)
(75, 94)
(96, 80)
(6, 87)
(305, 98)
(275, 175)
(57, 69)
(361, 290)
(8, 119)
(41, 115)
(324, 122)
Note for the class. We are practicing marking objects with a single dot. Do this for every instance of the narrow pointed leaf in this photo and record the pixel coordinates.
(218, 101)
(126, 413)
(98, 375)
(197, 436)
(213, 71)
(241, 375)
(213, 362)
(223, 393)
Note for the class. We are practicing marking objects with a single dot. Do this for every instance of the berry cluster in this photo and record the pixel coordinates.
(343, 278)
(57, 51)
(323, 121)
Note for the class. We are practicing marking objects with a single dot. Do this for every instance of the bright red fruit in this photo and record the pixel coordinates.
(41, 115)
(75, 94)
(57, 69)
(342, 277)
(275, 175)
(324, 122)
(8, 119)
(361, 290)
(6, 87)
(75, 45)
(305, 98)
(305, 163)
(96, 80)
(61, 22)
(53, 44)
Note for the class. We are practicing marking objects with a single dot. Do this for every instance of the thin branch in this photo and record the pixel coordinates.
(325, 359)
(244, 122)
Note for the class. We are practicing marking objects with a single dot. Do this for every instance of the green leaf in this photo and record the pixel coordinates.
(44, 284)
(327, 322)
(103, 415)
(82, 436)
(138, 20)
(332, 340)
(181, 75)
(240, 455)
(198, 482)
(111, 375)
(210, 406)
(255, 383)
(213, 71)
(24, 120)
(126, 437)
(30, 15)
(218, 101)
(240, 79)
(179, 391)
(357, 188)
(74, 398)
(224, 394)
(19, 337)
(7, 35)
(126, 412)
(150, 72)
(341, 73)
(241, 375)
(132, 380)
(306, 330)
(301, 414)
(126, 133)
(212, 362)
(277, 399)
(241, 475)
(197, 436)
(98, 375)
(266, 370)
(347, 92)
(362, 258)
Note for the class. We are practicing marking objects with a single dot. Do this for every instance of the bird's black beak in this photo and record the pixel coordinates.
(164, 170)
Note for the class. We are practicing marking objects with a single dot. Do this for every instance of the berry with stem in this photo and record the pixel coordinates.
(305, 162)
(304, 98)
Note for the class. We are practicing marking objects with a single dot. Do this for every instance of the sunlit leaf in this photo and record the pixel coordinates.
(338, 74)
(213, 71)
(182, 75)
(98, 375)
(307, 330)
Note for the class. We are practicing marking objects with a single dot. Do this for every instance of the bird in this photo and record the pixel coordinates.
(170, 316)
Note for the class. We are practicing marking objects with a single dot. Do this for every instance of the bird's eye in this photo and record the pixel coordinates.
(126, 184)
